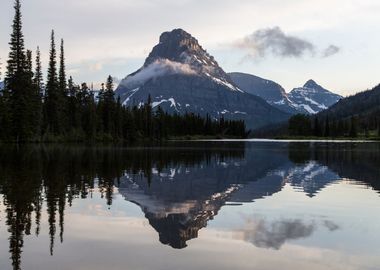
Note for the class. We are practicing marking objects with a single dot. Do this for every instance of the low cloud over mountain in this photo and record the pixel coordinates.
(274, 41)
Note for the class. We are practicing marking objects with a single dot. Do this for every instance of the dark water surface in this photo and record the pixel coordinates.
(191, 205)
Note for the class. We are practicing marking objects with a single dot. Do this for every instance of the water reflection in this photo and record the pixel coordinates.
(179, 187)
(273, 234)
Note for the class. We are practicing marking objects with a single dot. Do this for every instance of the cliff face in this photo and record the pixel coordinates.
(180, 76)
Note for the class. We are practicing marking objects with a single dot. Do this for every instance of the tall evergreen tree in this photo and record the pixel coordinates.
(109, 109)
(38, 76)
(327, 127)
(53, 113)
(63, 91)
(88, 112)
(62, 70)
(29, 64)
(18, 92)
(353, 128)
(16, 59)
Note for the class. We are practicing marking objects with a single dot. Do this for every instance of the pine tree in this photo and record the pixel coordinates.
(34, 102)
(52, 96)
(317, 128)
(148, 118)
(63, 91)
(108, 108)
(327, 127)
(118, 119)
(73, 106)
(62, 71)
(29, 64)
(353, 128)
(38, 76)
(16, 60)
(18, 94)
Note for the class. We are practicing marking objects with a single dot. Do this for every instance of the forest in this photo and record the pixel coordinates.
(329, 126)
(357, 116)
(58, 110)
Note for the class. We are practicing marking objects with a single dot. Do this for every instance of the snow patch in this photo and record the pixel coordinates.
(131, 93)
(237, 112)
(307, 108)
(280, 102)
(223, 82)
(171, 100)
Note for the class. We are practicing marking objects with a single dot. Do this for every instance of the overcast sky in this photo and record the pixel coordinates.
(335, 42)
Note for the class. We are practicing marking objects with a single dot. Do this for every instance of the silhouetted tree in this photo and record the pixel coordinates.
(353, 128)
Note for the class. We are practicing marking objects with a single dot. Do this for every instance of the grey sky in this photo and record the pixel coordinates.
(114, 36)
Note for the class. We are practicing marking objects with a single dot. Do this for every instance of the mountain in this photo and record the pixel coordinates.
(270, 91)
(180, 76)
(309, 99)
(180, 198)
(365, 106)
(312, 98)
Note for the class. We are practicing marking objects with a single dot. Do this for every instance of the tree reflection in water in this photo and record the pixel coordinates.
(203, 177)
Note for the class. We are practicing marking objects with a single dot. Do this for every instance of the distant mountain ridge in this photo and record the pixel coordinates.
(309, 99)
(269, 90)
(313, 98)
(180, 76)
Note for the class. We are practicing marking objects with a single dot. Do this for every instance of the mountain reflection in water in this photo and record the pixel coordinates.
(179, 187)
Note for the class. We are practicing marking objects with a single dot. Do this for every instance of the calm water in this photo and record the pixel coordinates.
(198, 205)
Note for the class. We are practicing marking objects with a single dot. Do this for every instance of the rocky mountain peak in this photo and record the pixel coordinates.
(181, 77)
(311, 84)
(179, 46)
(179, 37)
(313, 98)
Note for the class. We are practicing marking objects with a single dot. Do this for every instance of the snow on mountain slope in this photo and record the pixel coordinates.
(269, 90)
(309, 99)
(180, 76)
(312, 98)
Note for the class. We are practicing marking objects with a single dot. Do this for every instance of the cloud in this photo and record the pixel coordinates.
(276, 42)
(157, 69)
(331, 226)
(95, 66)
(330, 51)
(274, 234)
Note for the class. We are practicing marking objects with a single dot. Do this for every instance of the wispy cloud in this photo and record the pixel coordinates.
(157, 69)
(274, 41)
(330, 51)
(97, 66)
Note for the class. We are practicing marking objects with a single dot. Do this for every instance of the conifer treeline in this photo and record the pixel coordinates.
(352, 127)
(64, 111)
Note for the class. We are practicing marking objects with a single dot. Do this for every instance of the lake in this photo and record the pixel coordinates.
(191, 205)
